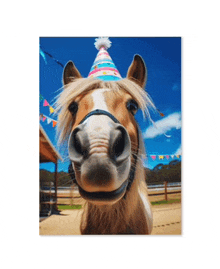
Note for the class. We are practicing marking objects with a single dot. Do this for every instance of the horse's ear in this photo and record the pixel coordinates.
(70, 73)
(137, 71)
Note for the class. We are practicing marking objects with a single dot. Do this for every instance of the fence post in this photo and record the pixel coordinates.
(56, 184)
(165, 187)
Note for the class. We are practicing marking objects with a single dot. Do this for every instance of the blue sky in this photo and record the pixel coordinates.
(163, 60)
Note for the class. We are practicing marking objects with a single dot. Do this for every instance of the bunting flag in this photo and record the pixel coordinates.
(161, 114)
(46, 103)
(43, 56)
(49, 120)
(163, 157)
(54, 123)
(43, 53)
(51, 109)
(41, 98)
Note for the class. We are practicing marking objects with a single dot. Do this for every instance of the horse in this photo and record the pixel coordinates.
(96, 119)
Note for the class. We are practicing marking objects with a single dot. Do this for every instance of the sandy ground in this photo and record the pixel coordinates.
(166, 221)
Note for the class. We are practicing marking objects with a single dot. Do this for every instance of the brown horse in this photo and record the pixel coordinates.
(106, 148)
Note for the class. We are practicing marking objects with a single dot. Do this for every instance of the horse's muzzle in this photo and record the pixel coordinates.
(116, 145)
(103, 160)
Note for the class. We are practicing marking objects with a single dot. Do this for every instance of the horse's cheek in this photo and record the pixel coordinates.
(133, 134)
(77, 173)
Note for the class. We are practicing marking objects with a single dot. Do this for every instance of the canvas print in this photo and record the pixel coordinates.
(110, 136)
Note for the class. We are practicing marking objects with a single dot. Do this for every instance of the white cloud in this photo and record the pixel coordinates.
(178, 151)
(164, 125)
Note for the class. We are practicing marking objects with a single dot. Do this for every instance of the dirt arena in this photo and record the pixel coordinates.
(166, 221)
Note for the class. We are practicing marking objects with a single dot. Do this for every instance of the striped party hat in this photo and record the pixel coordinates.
(103, 67)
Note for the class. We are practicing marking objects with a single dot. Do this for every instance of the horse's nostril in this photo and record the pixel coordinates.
(77, 144)
(120, 144)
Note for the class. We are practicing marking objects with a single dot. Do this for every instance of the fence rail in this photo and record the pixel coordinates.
(157, 194)
(70, 195)
(165, 190)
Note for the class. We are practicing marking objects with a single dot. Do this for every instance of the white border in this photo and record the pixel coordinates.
(22, 26)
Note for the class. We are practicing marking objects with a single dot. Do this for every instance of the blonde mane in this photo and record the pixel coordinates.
(81, 86)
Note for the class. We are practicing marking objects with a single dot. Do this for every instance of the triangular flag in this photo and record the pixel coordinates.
(178, 156)
(161, 114)
(51, 110)
(167, 156)
(44, 118)
(43, 55)
(153, 157)
(172, 156)
(49, 120)
(161, 157)
(45, 103)
(54, 123)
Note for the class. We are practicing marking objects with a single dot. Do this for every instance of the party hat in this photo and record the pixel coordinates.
(103, 67)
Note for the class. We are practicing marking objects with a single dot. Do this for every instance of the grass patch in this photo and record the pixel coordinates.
(164, 202)
(63, 207)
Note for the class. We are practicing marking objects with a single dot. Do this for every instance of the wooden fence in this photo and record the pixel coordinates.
(71, 196)
(155, 193)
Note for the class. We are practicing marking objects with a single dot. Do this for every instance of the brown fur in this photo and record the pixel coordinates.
(127, 216)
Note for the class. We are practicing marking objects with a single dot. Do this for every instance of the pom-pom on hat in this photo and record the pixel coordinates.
(103, 67)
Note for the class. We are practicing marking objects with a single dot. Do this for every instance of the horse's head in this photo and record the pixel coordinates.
(103, 138)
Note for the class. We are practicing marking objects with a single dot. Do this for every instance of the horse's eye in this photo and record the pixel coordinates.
(73, 107)
(132, 106)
